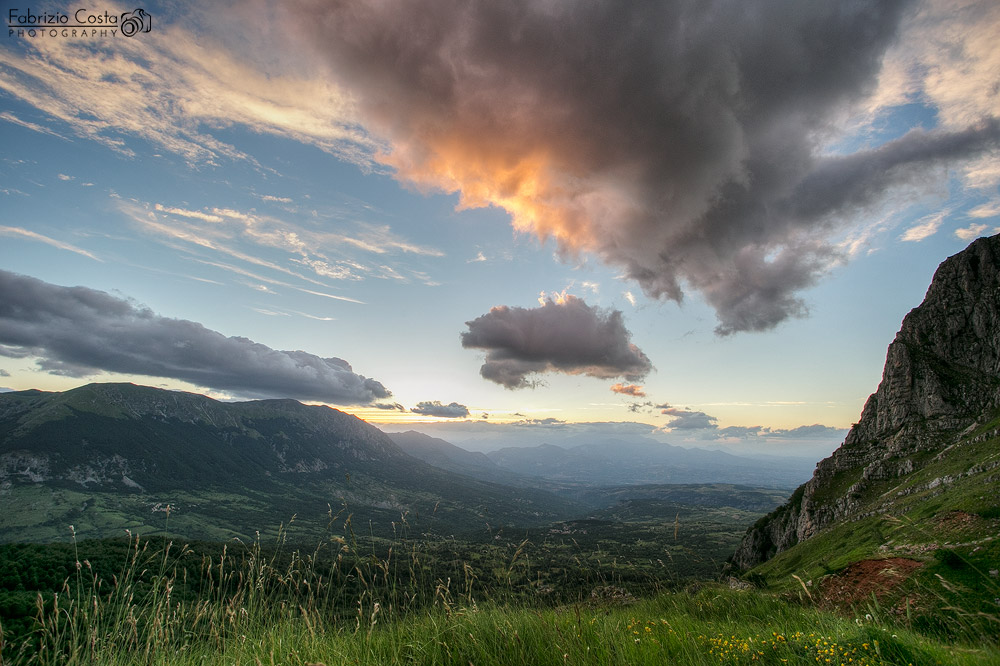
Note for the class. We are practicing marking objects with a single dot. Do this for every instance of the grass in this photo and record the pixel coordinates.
(347, 602)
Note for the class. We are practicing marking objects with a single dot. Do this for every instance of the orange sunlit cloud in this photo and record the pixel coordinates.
(629, 389)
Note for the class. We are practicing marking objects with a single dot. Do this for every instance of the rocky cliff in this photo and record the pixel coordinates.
(941, 379)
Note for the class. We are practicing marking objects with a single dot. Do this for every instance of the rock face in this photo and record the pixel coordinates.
(941, 377)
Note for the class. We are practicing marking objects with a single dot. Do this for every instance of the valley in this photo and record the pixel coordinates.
(138, 520)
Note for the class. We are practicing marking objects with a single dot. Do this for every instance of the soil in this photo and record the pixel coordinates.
(859, 581)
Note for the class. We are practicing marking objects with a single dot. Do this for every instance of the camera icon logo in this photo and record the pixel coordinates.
(134, 22)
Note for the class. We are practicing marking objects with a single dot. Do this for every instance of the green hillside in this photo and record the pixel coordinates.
(936, 533)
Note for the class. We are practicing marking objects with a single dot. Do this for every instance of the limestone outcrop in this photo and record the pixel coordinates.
(941, 378)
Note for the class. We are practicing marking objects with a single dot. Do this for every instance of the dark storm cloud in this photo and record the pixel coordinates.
(77, 331)
(393, 406)
(686, 419)
(565, 335)
(450, 411)
(680, 141)
(858, 179)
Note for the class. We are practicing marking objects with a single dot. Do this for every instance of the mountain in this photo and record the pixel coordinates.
(104, 457)
(445, 455)
(918, 473)
(640, 460)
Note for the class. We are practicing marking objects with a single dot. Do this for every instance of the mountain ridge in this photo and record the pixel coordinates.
(941, 381)
(262, 461)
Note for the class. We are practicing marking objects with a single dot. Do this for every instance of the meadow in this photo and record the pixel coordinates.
(361, 599)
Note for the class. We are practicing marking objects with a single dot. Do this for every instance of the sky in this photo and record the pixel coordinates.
(701, 222)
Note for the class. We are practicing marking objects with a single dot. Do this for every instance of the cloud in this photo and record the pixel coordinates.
(989, 209)
(450, 411)
(394, 406)
(806, 432)
(947, 58)
(628, 389)
(76, 331)
(176, 87)
(686, 419)
(680, 142)
(925, 228)
(34, 127)
(31, 235)
(242, 235)
(973, 231)
(562, 335)
(196, 214)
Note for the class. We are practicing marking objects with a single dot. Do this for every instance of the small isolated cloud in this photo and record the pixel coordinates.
(563, 335)
(630, 297)
(4, 373)
(390, 406)
(972, 231)
(629, 389)
(435, 408)
(269, 197)
(686, 419)
(76, 331)
(926, 228)
(63, 176)
(478, 258)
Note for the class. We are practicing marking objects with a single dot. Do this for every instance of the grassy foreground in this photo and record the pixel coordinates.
(334, 606)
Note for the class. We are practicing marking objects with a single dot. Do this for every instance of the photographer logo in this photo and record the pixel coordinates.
(79, 23)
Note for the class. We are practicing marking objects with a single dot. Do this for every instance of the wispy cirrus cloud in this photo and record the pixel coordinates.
(252, 237)
(34, 127)
(173, 87)
(197, 214)
(35, 236)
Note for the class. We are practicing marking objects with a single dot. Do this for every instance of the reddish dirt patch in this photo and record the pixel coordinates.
(956, 520)
(862, 579)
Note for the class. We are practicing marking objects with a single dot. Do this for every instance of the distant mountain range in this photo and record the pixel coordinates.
(109, 457)
(582, 462)
(105, 457)
(447, 456)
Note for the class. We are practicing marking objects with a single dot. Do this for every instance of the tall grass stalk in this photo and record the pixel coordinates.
(348, 601)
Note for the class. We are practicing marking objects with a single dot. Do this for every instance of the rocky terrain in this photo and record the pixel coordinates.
(940, 392)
